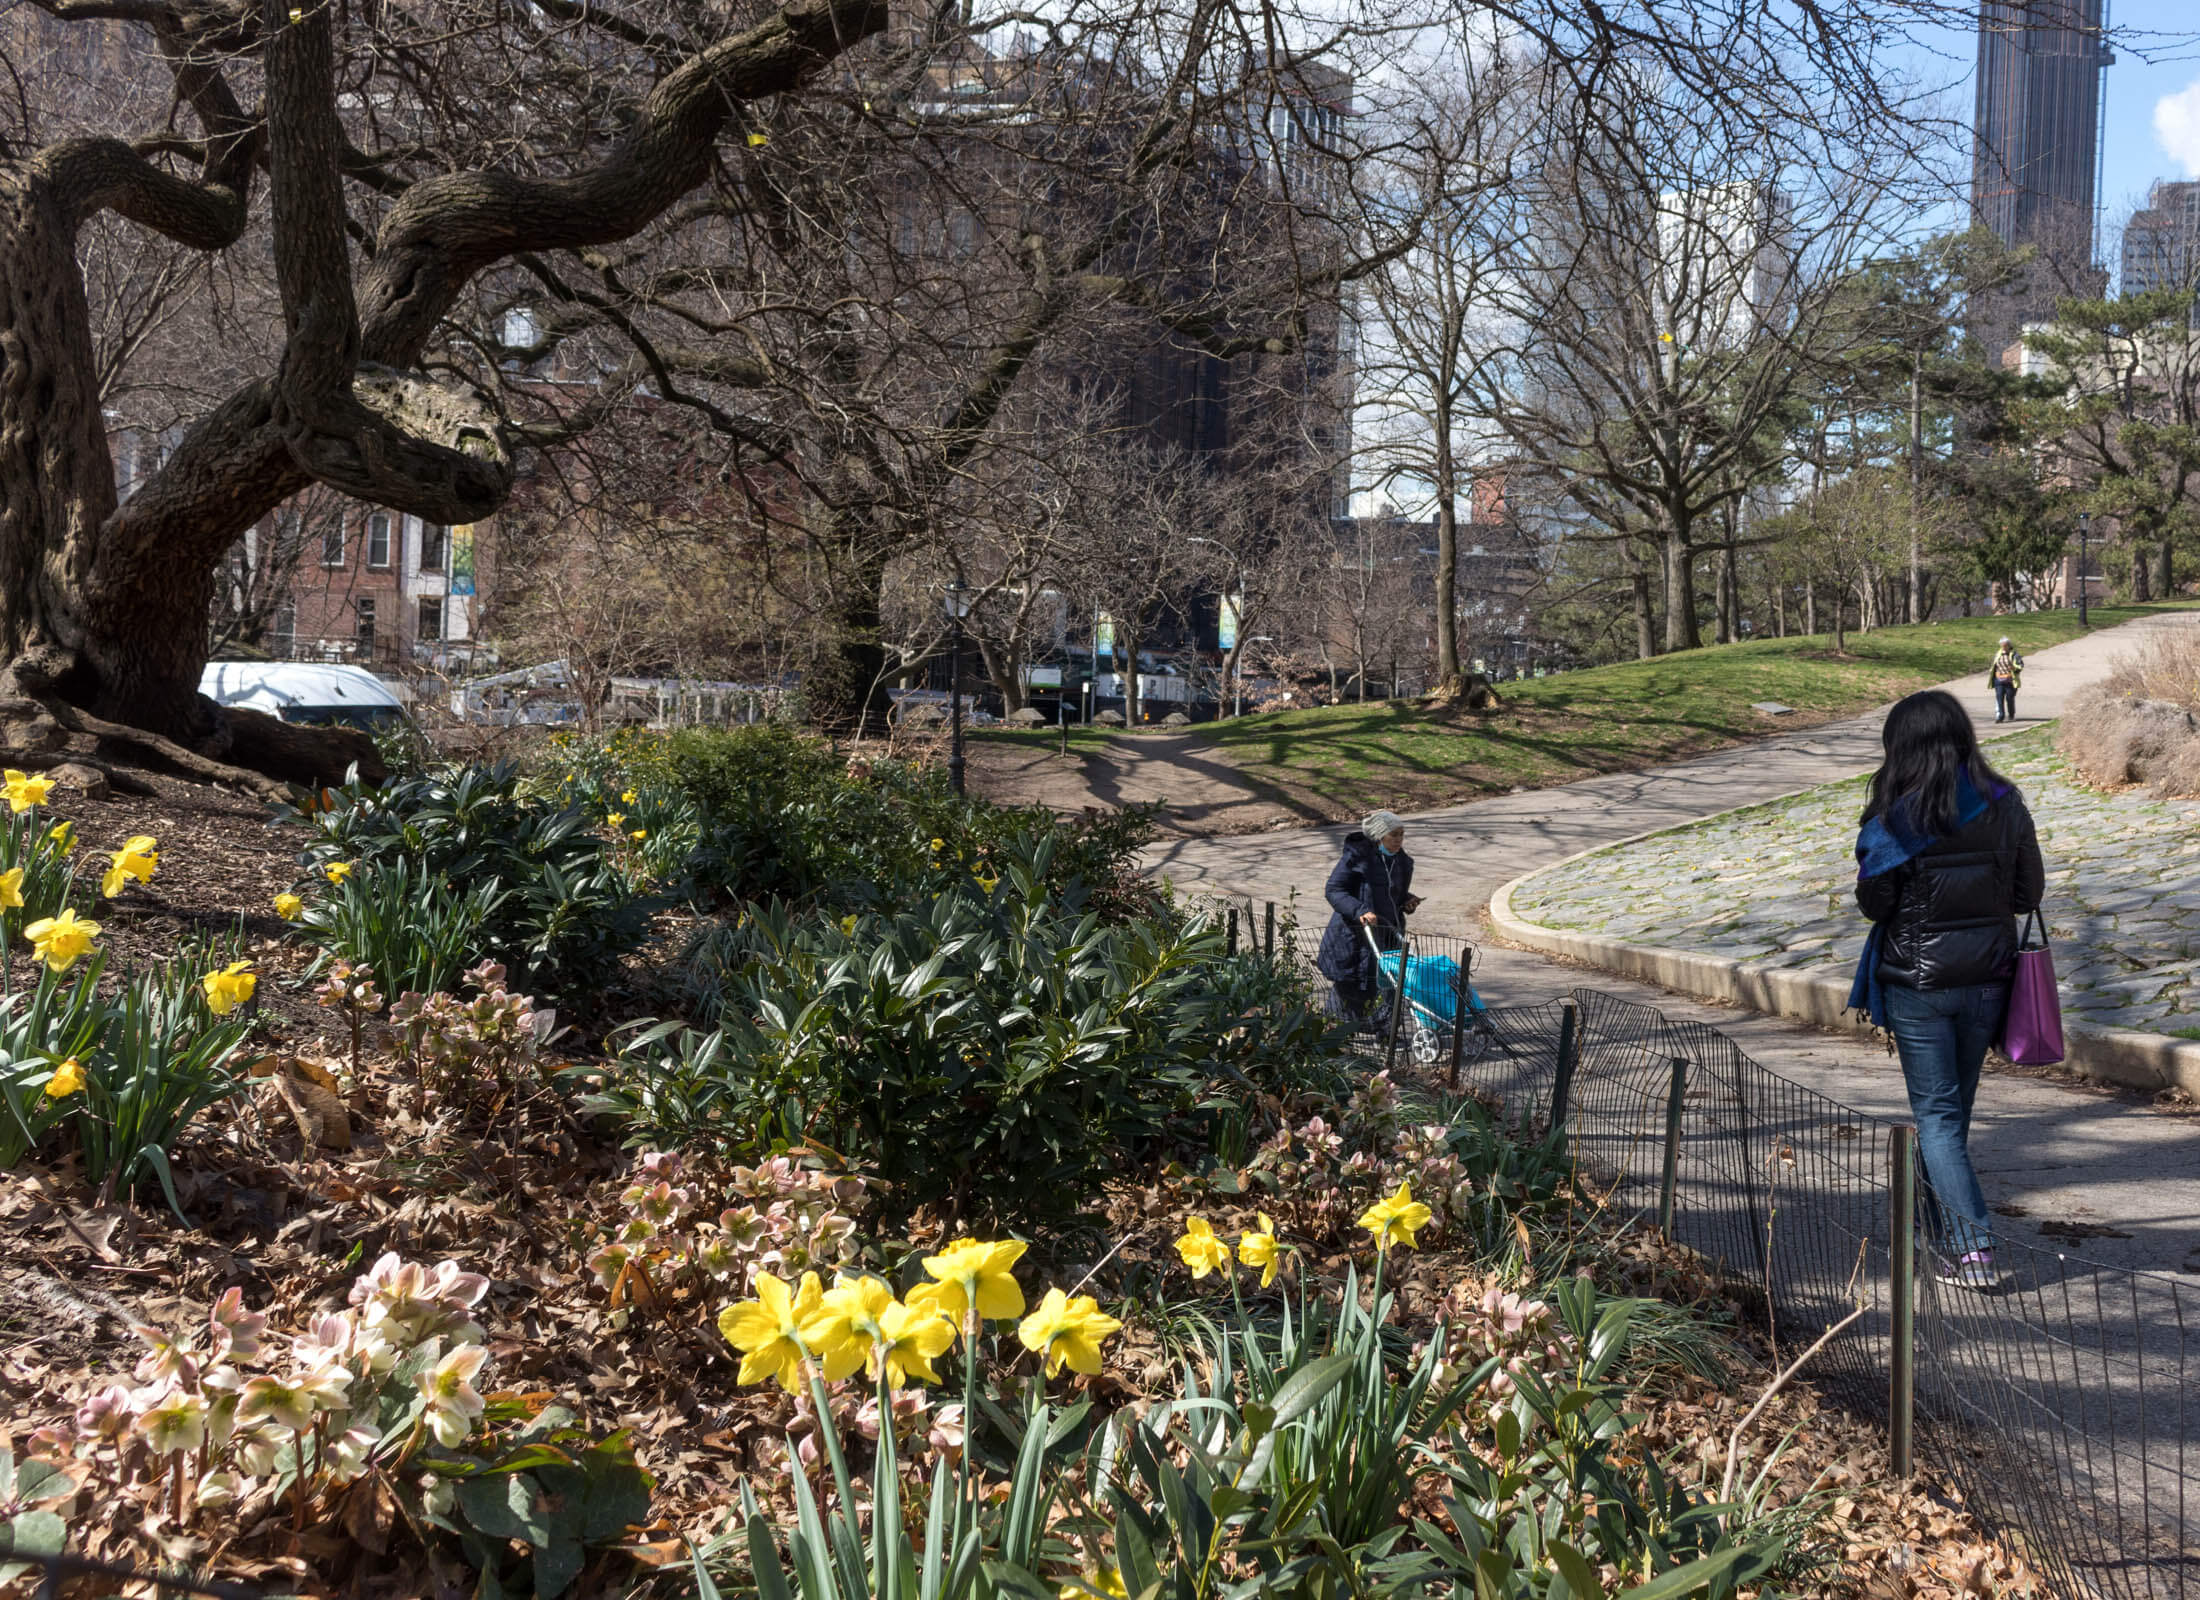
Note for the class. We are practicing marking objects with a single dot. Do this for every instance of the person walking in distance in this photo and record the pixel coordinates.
(2004, 676)
(1947, 861)
(1370, 889)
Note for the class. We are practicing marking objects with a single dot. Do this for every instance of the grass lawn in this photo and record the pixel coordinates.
(1323, 762)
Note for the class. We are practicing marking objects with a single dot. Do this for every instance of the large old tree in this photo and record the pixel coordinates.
(104, 602)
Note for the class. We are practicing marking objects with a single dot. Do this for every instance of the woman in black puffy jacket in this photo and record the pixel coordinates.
(1947, 862)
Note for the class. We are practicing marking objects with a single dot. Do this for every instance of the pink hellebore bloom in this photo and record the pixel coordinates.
(236, 1331)
(106, 1414)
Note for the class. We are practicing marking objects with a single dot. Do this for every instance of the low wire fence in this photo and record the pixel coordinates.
(2056, 1407)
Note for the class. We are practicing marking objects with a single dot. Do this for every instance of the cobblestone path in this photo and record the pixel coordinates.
(1774, 884)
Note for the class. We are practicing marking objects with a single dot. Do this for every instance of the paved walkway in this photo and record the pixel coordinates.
(2095, 1157)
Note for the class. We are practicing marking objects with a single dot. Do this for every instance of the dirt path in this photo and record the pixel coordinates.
(1203, 791)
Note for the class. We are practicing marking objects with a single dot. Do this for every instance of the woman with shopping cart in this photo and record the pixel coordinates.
(1369, 889)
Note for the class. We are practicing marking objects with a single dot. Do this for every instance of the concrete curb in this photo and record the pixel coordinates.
(2125, 1056)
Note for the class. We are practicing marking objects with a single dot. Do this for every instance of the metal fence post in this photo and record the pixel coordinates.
(1270, 931)
(1902, 1276)
(1669, 1178)
(1459, 1009)
(1398, 1009)
(1231, 947)
(1562, 1083)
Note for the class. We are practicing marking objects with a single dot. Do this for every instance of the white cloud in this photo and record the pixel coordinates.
(2177, 126)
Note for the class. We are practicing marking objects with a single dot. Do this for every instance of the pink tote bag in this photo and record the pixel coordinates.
(2032, 1032)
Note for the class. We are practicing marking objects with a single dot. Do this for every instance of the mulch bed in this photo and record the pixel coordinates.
(517, 1188)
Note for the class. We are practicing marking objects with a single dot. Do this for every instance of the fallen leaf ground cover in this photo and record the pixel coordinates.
(598, 1328)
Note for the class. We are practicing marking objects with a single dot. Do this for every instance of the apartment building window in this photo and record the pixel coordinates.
(282, 629)
(378, 539)
(332, 544)
(363, 627)
(433, 539)
(430, 630)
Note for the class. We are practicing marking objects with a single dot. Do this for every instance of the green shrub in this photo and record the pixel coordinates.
(780, 816)
(556, 907)
(994, 1050)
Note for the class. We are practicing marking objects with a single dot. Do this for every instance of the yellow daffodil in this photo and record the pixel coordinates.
(11, 889)
(638, 835)
(627, 798)
(1067, 1332)
(1201, 1250)
(1107, 1583)
(973, 1273)
(910, 1335)
(63, 834)
(67, 1079)
(336, 871)
(60, 940)
(1257, 1248)
(767, 1330)
(229, 988)
(846, 1324)
(289, 907)
(615, 819)
(138, 859)
(24, 790)
(1397, 1219)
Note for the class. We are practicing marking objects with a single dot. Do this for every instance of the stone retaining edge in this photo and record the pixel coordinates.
(2126, 1056)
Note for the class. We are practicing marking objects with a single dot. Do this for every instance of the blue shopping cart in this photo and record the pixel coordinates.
(1431, 987)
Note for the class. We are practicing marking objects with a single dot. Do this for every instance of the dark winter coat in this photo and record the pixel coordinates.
(1951, 912)
(1363, 880)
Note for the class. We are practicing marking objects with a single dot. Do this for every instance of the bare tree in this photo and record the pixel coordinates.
(1662, 287)
(1428, 314)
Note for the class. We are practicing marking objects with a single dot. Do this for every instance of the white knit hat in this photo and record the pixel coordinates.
(1380, 825)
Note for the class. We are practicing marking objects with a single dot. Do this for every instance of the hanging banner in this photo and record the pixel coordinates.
(1103, 635)
(1227, 611)
(462, 559)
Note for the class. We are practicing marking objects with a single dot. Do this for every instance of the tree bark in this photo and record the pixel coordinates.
(1680, 586)
(2169, 567)
(1448, 675)
(1916, 609)
(1638, 588)
(2141, 573)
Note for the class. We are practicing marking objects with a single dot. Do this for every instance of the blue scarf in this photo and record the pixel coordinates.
(1886, 842)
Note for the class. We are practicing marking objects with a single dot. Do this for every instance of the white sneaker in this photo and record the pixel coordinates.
(1975, 1271)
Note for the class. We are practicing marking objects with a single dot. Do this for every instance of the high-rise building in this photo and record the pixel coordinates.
(2036, 142)
(2162, 240)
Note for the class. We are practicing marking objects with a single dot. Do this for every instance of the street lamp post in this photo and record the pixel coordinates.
(2085, 528)
(958, 607)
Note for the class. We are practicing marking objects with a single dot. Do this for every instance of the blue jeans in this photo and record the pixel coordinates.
(1942, 1035)
(2005, 700)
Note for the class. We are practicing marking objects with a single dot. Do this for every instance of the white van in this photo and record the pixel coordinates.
(303, 691)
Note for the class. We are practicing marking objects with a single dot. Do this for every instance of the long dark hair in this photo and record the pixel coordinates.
(1929, 741)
